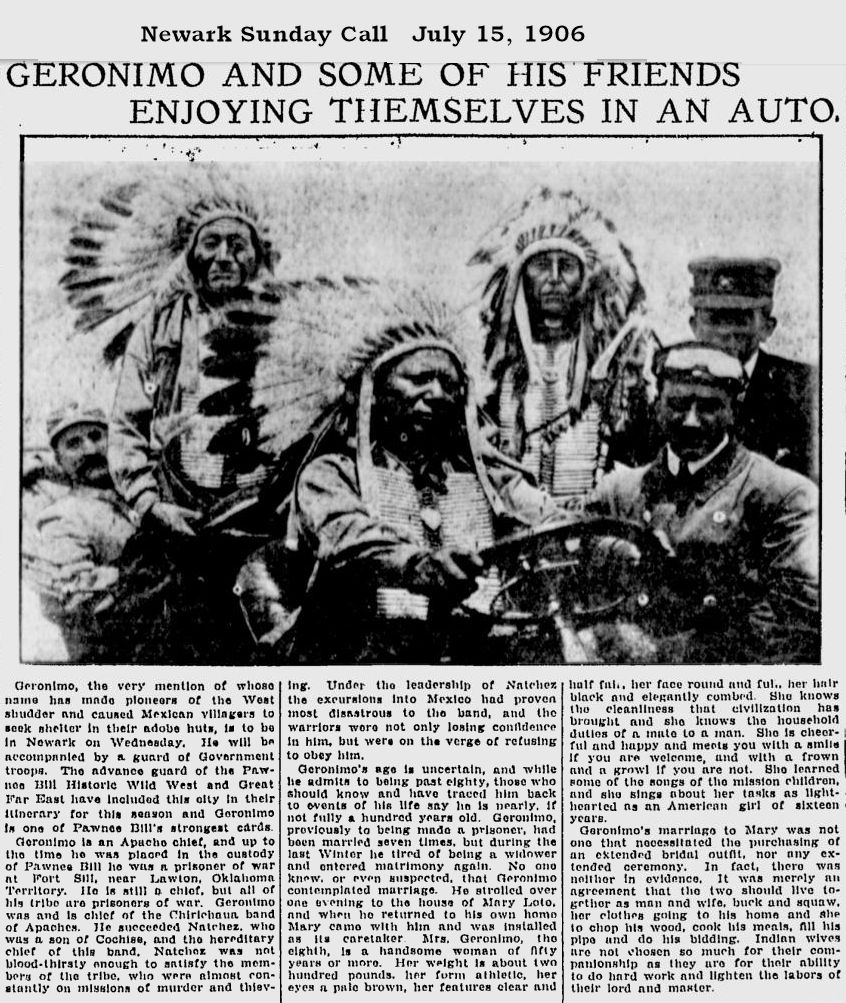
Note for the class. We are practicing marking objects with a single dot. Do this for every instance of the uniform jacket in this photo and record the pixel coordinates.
(742, 584)
(779, 415)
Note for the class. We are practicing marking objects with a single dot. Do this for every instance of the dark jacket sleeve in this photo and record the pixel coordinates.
(788, 614)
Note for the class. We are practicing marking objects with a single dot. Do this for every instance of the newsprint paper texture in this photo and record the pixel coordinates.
(422, 437)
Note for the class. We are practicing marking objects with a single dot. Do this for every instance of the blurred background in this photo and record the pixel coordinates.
(421, 222)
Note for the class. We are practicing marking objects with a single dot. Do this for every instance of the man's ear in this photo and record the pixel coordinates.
(766, 326)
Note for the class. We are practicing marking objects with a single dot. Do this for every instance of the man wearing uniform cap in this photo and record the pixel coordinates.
(732, 300)
(81, 536)
(740, 582)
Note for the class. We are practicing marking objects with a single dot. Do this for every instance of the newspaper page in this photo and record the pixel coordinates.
(417, 428)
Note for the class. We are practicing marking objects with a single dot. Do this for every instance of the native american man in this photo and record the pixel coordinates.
(567, 347)
(396, 498)
(176, 272)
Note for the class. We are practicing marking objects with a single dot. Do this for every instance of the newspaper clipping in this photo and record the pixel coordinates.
(418, 513)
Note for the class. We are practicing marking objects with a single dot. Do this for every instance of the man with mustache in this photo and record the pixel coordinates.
(740, 583)
(81, 536)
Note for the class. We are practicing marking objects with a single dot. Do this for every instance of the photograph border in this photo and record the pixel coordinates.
(299, 137)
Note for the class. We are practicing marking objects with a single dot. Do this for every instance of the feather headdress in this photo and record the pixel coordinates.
(317, 377)
(560, 220)
(328, 334)
(129, 252)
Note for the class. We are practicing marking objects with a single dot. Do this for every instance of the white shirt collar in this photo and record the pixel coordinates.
(674, 462)
(750, 363)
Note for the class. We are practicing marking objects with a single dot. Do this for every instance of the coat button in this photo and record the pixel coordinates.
(719, 518)
(647, 516)
(709, 601)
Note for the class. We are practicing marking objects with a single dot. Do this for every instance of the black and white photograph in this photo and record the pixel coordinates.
(534, 403)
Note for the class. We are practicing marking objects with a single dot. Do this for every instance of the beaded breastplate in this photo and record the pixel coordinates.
(459, 517)
(204, 467)
(561, 451)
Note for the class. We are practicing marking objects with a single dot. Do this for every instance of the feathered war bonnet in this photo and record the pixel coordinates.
(129, 253)
(551, 220)
(316, 378)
